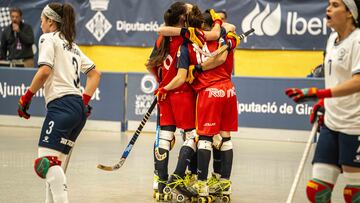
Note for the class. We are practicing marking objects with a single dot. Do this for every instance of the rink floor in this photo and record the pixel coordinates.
(263, 171)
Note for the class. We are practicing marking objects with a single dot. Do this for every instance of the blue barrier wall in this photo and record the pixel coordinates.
(261, 101)
(108, 101)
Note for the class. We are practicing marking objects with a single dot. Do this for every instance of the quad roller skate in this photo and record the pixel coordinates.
(190, 179)
(202, 190)
(222, 190)
(160, 195)
(155, 185)
(177, 188)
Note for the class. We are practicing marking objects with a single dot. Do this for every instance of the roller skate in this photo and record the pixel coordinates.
(190, 179)
(177, 188)
(160, 196)
(222, 190)
(202, 190)
(212, 182)
(155, 185)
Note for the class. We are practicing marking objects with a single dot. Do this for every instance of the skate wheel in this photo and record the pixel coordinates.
(167, 190)
(154, 193)
(202, 199)
(158, 196)
(167, 197)
(180, 198)
(225, 199)
(212, 198)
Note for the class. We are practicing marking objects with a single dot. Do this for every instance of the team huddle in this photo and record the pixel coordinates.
(195, 94)
(192, 61)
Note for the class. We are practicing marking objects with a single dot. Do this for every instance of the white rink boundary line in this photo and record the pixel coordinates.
(36, 122)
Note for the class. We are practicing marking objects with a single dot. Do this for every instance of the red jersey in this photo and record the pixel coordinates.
(190, 56)
(168, 69)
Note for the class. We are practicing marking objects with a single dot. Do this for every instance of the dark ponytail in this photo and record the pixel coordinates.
(172, 17)
(357, 2)
(67, 26)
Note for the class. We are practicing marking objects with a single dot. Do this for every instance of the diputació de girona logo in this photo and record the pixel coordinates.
(98, 25)
(265, 22)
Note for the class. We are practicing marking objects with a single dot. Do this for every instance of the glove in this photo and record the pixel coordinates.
(215, 17)
(232, 40)
(161, 93)
(86, 98)
(194, 71)
(194, 35)
(318, 107)
(307, 94)
(24, 104)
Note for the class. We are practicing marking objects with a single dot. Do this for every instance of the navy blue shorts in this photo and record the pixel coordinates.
(63, 123)
(337, 148)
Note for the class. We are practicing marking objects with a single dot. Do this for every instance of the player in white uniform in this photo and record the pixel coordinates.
(60, 63)
(338, 147)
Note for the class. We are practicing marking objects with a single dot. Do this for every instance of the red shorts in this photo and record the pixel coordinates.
(178, 109)
(216, 109)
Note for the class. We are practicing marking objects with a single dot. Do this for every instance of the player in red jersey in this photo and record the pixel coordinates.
(216, 107)
(162, 64)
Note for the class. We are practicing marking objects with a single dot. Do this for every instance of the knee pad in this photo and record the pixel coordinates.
(166, 140)
(42, 165)
(217, 141)
(352, 189)
(204, 144)
(352, 193)
(226, 145)
(318, 191)
(190, 139)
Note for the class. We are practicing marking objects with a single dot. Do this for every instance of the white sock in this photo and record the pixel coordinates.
(57, 181)
(48, 195)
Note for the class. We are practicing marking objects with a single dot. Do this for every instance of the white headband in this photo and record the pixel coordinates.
(48, 12)
(350, 4)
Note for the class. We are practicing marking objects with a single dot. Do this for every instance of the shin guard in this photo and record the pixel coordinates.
(204, 155)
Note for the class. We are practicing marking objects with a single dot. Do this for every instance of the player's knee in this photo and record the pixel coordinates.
(42, 165)
(204, 143)
(190, 139)
(226, 144)
(318, 191)
(166, 140)
(352, 189)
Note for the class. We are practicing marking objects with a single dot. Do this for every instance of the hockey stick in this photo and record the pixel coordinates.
(132, 141)
(222, 48)
(66, 163)
(302, 162)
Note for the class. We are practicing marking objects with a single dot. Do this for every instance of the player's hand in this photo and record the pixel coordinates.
(88, 109)
(86, 98)
(215, 17)
(194, 35)
(161, 93)
(307, 94)
(24, 104)
(318, 110)
(232, 40)
(193, 73)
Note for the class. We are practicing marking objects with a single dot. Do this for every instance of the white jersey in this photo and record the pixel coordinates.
(66, 65)
(342, 61)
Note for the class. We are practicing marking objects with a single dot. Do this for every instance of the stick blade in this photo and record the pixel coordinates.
(105, 168)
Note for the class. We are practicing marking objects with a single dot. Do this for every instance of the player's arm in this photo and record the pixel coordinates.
(92, 81)
(178, 80)
(38, 81)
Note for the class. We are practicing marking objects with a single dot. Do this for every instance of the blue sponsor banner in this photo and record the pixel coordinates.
(140, 95)
(262, 102)
(279, 24)
(108, 101)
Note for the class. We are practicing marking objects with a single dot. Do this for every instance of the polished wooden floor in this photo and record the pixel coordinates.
(263, 171)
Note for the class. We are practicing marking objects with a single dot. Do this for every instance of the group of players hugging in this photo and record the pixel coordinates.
(195, 94)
